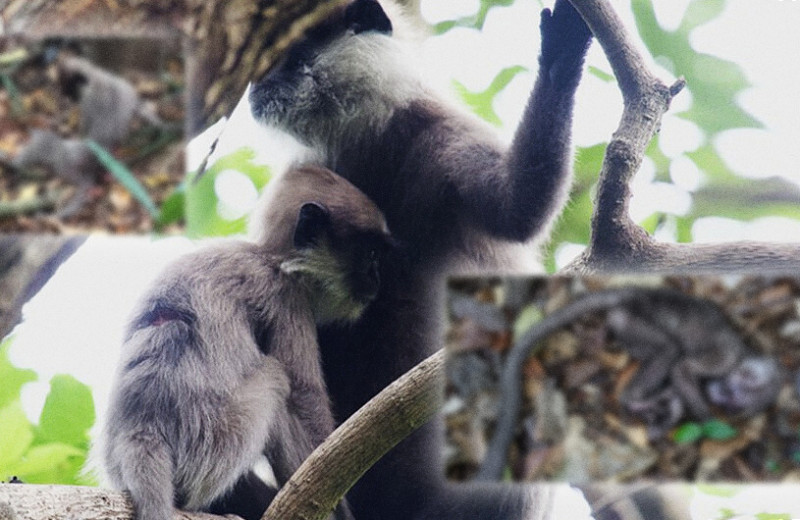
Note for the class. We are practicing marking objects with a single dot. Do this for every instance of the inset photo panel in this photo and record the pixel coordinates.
(91, 133)
(623, 379)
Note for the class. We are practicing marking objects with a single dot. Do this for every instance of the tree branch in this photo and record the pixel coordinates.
(617, 243)
(359, 442)
(315, 488)
(34, 502)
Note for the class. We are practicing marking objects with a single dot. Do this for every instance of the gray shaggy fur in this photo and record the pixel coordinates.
(221, 364)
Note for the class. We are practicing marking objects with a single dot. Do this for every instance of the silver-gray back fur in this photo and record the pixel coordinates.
(221, 364)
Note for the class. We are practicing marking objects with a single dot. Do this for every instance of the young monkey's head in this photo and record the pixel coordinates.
(330, 236)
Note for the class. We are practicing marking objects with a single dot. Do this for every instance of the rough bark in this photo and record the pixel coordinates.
(617, 243)
(359, 442)
(310, 494)
(34, 502)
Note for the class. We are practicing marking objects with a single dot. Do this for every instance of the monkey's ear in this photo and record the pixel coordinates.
(367, 15)
(312, 221)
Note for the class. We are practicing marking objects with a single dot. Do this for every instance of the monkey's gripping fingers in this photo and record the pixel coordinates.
(565, 40)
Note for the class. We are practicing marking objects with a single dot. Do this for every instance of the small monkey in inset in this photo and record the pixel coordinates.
(70, 158)
(108, 102)
(108, 105)
(221, 365)
(690, 355)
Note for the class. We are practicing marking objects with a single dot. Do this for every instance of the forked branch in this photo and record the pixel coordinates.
(617, 243)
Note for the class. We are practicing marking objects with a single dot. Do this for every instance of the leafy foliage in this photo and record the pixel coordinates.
(688, 433)
(475, 21)
(481, 102)
(202, 203)
(714, 86)
(55, 450)
(713, 429)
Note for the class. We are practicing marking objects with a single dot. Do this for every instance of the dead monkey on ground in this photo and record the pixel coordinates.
(690, 356)
(108, 104)
(221, 365)
(452, 194)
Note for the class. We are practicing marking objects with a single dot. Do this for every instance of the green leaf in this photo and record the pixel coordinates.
(601, 74)
(718, 430)
(124, 176)
(527, 318)
(474, 21)
(202, 218)
(701, 12)
(482, 102)
(16, 433)
(684, 229)
(173, 209)
(715, 83)
(486, 6)
(589, 162)
(718, 490)
(687, 433)
(443, 27)
(68, 413)
(651, 223)
(11, 378)
(773, 516)
(51, 463)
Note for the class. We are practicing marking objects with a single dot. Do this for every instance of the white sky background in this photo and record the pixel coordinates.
(74, 325)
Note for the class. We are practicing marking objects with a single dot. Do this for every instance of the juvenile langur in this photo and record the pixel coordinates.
(690, 355)
(221, 364)
(70, 158)
(108, 102)
(452, 194)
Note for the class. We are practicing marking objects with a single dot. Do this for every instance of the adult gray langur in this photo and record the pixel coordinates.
(453, 195)
(220, 364)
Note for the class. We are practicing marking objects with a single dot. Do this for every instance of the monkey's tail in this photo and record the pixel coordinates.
(511, 380)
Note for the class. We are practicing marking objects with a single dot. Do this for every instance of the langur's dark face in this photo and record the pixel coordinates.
(72, 85)
(339, 251)
(341, 74)
(365, 256)
(750, 387)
